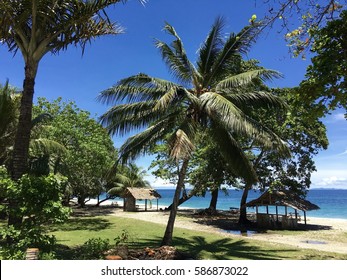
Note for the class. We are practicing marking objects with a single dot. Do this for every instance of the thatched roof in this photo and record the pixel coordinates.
(283, 198)
(142, 193)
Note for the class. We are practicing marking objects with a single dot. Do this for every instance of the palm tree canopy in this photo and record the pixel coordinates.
(40, 26)
(215, 96)
(127, 176)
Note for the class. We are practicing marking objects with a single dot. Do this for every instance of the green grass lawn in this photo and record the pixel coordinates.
(199, 245)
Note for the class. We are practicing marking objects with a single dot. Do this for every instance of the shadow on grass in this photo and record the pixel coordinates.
(197, 247)
(89, 224)
(226, 223)
(226, 248)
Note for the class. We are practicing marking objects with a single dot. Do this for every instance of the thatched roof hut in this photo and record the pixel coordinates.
(281, 198)
(132, 194)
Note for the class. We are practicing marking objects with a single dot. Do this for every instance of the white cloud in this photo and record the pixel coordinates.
(330, 178)
(344, 153)
(158, 182)
(339, 117)
(332, 182)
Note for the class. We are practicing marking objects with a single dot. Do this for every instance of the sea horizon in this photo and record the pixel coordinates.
(332, 202)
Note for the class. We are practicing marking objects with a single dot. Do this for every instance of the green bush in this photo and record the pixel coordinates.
(94, 249)
(38, 200)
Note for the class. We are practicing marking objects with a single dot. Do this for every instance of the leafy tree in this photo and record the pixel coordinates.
(38, 27)
(307, 15)
(305, 135)
(213, 96)
(90, 152)
(207, 171)
(326, 81)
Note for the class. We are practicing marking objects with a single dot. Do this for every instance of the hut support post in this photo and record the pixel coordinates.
(296, 215)
(157, 204)
(145, 204)
(305, 217)
(277, 213)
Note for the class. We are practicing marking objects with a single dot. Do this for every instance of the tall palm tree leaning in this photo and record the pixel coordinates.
(38, 27)
(213, 96)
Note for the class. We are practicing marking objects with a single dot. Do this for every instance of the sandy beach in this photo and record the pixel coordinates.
(323, 234)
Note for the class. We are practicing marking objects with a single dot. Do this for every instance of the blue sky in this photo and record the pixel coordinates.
(109, 59)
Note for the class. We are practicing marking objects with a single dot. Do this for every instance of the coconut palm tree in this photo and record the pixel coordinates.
(127, 176)
(214, 96)
(38, 27)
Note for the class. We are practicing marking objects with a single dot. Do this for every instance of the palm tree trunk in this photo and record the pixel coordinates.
(21, 146)
(167, 239)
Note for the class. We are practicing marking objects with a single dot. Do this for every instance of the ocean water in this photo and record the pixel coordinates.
(332, 202)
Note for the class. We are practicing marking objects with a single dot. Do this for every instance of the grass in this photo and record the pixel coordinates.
(199, 245)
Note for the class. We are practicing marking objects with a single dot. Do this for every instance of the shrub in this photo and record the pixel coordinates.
(94, 249)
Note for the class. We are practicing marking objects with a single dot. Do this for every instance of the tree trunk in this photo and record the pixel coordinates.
(167, 239)
(214, 199)
(19, 162)
(243, 210)
(183, 199)
(21, 146)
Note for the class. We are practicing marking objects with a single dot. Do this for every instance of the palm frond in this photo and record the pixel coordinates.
(223, 111)
(234, 46)
(143, 141)
(182, 146)
(46, 146)
(176, 58)
(137, 88)
(233, 154)
(247, 78)
(41, 118)
(211, 47)
(260, 99)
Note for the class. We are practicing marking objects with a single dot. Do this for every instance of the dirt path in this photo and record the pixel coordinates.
(324, 234)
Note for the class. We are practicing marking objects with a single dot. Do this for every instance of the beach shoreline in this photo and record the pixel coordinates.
(324, 234)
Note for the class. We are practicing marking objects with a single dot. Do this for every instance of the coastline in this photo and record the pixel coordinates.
(325, 234)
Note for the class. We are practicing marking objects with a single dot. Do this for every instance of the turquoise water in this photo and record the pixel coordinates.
(332, 202)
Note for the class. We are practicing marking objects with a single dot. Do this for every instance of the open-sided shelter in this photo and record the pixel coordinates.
(281, 198)
(132, 194)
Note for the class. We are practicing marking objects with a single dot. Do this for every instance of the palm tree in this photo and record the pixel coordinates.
(214, 96)
(126, 176)
(39, 148)
(9, 107)
(38, 27)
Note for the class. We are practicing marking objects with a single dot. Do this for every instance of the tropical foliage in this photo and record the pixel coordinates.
(9, 108)
(214, 97)
(36, 28)
(89, 149)
(39, 201)
(326, 81)
(126, 176)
